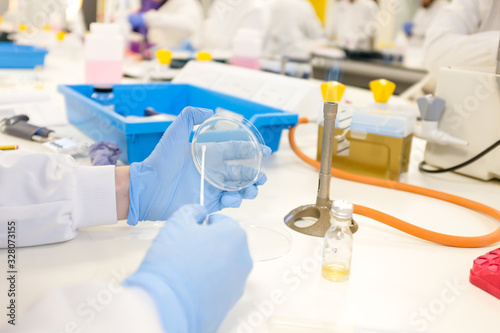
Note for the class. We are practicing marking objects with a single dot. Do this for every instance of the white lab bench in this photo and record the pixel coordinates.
(398, 283)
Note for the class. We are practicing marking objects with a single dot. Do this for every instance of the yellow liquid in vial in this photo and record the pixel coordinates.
(335, 272)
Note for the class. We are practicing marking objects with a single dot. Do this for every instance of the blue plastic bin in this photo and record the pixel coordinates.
(138, 139)
(20, 56)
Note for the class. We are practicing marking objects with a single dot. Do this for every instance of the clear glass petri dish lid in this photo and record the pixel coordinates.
(234, 152)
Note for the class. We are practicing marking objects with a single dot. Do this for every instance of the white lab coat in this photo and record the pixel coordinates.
(293, 26)
(174, 22)
(96, 307)
(466, 34)
(425, 16)
(353, 25)
(49, 197)
(225, 18)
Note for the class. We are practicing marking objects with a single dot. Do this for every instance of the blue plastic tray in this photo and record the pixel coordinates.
(138, 139)
(20, 56)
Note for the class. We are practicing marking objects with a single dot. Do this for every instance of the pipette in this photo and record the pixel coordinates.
(202, 181)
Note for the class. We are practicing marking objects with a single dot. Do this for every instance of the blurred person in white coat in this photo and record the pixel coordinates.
(425, 15)
(353, 23)
(168, 23)
(466, 34)
(293, 27)
(225, 18)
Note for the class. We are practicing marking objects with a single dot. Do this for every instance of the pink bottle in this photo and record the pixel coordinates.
(104, 50)
(247, 48)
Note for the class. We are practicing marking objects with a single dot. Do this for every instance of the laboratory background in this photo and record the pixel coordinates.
(250, 166)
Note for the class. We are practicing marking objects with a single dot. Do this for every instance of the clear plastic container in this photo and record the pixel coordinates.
(247, 48)
(104, 95)
(229, 168)
(104, 51)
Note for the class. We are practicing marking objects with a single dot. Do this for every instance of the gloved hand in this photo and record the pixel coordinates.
(186, 45)
(195, 273)
(408, 28)
(168, 178)
(137, 20)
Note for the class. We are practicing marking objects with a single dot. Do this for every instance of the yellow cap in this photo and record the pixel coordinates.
(332, 91)
(392, 45)
(164, 56)
(382, 90)
(382, 45)
(23, 27)
(46, 27)
(203, 56)
(60, 35)
(1, 19)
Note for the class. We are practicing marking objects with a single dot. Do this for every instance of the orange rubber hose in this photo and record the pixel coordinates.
(436, 237)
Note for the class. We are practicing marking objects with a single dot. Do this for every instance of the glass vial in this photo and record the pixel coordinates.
(337, 251)
(104, 95)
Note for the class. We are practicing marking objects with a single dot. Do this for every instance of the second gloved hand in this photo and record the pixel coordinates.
(408, 28)
(195, 273)
(136, 20)
(168, 178)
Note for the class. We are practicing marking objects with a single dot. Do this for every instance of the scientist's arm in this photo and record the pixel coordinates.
(186, 20)
(184, 284)
(49, 196)
(122, 185)
(451, 39)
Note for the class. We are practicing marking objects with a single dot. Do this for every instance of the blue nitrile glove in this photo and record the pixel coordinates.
(186, 45)
(195, 273)
(137, 20)
(168, 178)
(408, 27)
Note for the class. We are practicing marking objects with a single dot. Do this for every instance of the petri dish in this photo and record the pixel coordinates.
(234, 151)
(266, 243)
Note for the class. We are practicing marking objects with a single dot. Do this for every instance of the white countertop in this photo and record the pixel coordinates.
(397, 282)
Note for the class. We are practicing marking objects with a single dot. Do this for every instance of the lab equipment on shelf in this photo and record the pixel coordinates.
(104, 52)
(337, 250)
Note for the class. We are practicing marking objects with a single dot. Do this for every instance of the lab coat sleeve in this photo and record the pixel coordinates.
(452, 39)
(49, 196)
(94, 307)
(186, 20)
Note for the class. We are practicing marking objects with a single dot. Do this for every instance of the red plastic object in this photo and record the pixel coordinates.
(485, 273)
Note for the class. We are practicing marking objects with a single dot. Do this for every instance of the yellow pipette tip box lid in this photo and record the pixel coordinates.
(60, 35)
(203, 56)
(382, 90)
(164, 56)
(332, 91)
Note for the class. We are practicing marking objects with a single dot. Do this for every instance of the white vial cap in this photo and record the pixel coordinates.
(342, 209)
